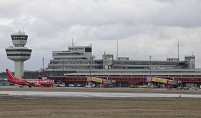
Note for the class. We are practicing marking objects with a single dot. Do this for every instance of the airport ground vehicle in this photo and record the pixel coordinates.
(60, 85)
(182, 88)
(195, 88)
(71, 85)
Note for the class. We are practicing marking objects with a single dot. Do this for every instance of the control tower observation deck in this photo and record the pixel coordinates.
(18, 53)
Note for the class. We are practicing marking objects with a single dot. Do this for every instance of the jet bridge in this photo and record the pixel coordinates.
(167, 82)
(160, 80)
(101, 81)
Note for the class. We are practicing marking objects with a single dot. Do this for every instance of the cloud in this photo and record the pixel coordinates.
(143, 28)
(181, 13)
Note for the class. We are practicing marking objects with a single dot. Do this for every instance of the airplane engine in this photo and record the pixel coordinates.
(30, 85)
(34, 84)
(37, 85)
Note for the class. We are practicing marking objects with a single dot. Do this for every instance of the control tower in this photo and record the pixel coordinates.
(18, 52)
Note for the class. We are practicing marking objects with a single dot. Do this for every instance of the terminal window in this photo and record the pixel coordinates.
(87, 49)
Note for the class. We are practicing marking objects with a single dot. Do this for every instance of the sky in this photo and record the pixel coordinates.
(142, 28)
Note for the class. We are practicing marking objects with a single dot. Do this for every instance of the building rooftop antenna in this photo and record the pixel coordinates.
(72, 42)
(117, 48)
(23, 28)
(178, 50)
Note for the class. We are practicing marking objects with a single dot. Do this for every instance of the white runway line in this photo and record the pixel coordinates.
(94, 94)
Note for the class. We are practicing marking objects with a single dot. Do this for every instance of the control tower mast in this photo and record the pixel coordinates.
(18, 53)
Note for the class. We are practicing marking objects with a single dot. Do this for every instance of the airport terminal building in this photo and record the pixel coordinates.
(79, 59)
(78, 63)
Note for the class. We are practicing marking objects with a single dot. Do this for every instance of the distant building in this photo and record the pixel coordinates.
(3, 82)
(80, 59)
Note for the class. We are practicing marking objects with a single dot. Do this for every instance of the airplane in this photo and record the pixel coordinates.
(28, 82)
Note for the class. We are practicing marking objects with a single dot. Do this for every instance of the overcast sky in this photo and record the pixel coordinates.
(142, 27)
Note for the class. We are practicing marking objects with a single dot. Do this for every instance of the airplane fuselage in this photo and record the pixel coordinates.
(28, 82)
(39, 82)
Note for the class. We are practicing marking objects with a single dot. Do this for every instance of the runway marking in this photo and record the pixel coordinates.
(93, 94)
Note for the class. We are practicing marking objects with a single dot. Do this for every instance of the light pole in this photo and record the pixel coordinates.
(63, 65)
(43, 65)
(150, 70)
(89, 81)
(90, 67)
(53, 66)
(150, 65)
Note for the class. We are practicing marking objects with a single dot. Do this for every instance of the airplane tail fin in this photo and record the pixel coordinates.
(10, 75)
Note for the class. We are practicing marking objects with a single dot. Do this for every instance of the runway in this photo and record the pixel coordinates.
(92, 94)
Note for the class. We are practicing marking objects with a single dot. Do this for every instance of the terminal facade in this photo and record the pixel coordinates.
(77, 64)
(79, 59)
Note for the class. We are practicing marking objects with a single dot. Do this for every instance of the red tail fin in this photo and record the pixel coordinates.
(10, 75)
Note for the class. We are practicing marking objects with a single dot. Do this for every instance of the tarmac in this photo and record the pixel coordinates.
(14, 91)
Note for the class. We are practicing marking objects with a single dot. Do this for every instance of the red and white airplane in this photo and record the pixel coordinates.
(28, 82)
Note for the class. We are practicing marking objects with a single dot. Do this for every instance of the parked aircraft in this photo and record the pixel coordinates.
(28, 82)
